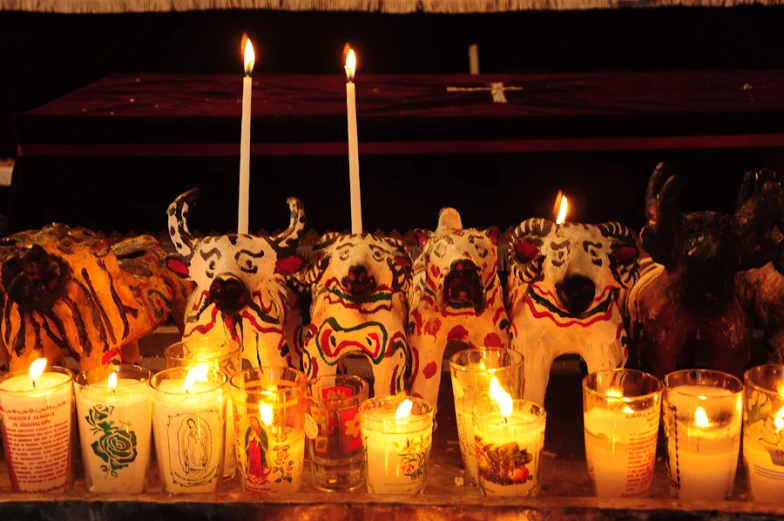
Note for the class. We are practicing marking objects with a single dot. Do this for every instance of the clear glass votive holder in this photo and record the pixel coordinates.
(270, 404)
(397, 447)
(336, 454)
(509, 449)
(38, 430)
(220, 354)
(189, 429)
(115, 427)
(472, 371)
(702, 424)
(763, 432)
(621, 410)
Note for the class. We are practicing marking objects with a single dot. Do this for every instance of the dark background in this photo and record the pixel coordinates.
(43, 56)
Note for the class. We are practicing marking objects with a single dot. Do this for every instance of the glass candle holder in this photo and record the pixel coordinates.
(763, 432)
(220, 354)
(270, 404)
(189, 428)
(509, 448)
(38, 430)
(397, 446)
(336, 454)
(472, 370)
(115, 427)
(621, 409)
(702, 424)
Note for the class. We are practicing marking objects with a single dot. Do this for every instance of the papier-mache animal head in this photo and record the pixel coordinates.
(457, 265)
(580, 266)
(229, 267)
(358, 269)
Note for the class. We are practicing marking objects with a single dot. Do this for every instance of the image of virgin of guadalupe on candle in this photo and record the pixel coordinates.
(256, 446)
(194, 454)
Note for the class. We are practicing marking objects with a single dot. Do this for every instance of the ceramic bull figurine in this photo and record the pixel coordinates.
(241, 285)
(562, 295)
(359, 284)
(65, 290)
(686, 293)
(456, 297)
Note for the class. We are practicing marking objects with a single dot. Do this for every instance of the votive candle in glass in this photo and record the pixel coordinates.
(221, 354)
(472, 370)
(37, 411)
(702, 425)
(188, 416)
(621, 409)
(397, 433)
(509, 439)
(270, 404)
(763, 432)
(115, 427)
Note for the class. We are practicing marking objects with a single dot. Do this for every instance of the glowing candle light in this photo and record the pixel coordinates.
(247, 90)
(562, 206)
(353, 150)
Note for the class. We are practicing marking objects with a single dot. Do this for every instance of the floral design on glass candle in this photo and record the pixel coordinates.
(765, 426)
(283, 465)
(504, 464)
(116, 445)
(413, 456)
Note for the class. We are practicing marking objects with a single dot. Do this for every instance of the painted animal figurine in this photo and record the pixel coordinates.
(686, 293)
(456, 297)
(242, 290)
(359, 284)
(65, 290)
(562, 295)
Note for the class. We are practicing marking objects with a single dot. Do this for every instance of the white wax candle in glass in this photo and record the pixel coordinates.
(115, 427)
(397, 433)
(702, 424)
(509, 439)
(763, 432)
(621, 409)
(188, 415)
(38, 432)
(472, 370)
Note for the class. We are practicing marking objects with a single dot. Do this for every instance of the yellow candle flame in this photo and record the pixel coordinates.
(781, 389)
(37, 369)
(701, 418)
(351, 65)
(563, 208)
(612, 392)
(404, 409)
(501, 397)
(265, 411)
(249, 56)
(196, 374)
(628, 410)
(112, 380)
(778, 421)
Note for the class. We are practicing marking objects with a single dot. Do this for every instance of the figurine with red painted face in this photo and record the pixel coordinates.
(562, 295)
(456, 298)
(359, 283)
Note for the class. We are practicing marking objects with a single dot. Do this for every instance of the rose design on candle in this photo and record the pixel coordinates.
(413, 456)
(117, 444)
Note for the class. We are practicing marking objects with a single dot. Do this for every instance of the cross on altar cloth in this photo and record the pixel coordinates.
(496, 88)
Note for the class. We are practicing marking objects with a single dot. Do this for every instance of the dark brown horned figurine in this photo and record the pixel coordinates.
(686, 291)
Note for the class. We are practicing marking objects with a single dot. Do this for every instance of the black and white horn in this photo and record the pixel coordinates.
(297, 222)
(178, 222)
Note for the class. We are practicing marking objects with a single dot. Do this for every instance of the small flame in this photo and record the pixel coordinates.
(112, 380)
(196, 374)
(778, 421)
(628, 410)
(501, 397)
(563, 208)
(37, 369)
(701, 418)
(250, 57)
(265, 411)
(404, 409)
(612, 392)
(781, 389)
(351, 65)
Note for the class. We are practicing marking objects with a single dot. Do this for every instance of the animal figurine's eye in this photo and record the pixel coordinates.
(211, 265)
(624, 253)
(440, 250)
(526, 250)
(344, 254)
(481, 251)
(378, 255)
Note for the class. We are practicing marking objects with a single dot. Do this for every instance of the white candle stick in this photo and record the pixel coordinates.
(247, 94)
(353, 152)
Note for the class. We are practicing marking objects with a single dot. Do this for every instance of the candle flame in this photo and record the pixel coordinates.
(778, 421)
(563, 208)
(265, 411)
(701, 418)
(196, 374)
(612, 392)
(404, 409)
(781, 389)
(351, 65)
(37, 369)
(112, 380)
(501, 397)
(250, 57)
(628, 410)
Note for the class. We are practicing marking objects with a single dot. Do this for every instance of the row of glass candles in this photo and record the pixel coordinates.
(210, 419)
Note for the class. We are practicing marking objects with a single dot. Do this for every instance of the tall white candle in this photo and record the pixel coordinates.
(247, 95)
(353, 150)
(115, 428)
(37, 421)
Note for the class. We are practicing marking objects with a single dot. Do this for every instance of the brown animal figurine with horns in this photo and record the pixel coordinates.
(686, 292)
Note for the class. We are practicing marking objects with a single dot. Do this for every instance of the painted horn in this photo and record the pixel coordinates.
(297, 222)
(178, 226)
(618, 231)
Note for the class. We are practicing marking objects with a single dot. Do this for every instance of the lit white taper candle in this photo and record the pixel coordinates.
(353, 152)
(247, 90)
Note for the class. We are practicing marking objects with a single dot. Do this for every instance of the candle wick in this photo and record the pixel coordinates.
(33, 380)
(113, 392)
